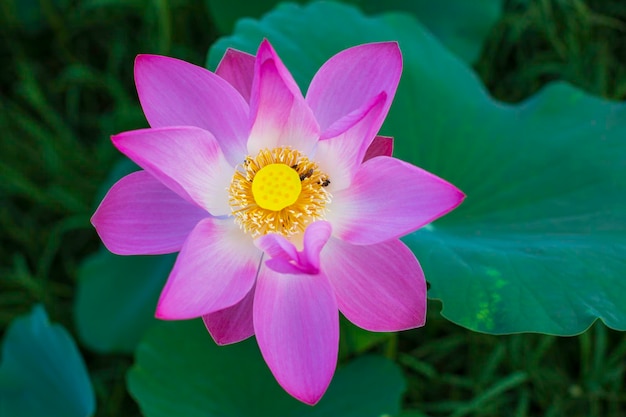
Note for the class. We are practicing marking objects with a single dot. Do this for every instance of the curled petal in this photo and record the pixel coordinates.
(282, 253)
(140, 216)
(389, 198)
(315, 237)
(285, 258)
(232, 324)
(340, 156)
(356, 116)
(378, 287)
(175, 93)
(215, 269)
(237, 68)
(380, 146)
(296, 323)
(188, 160)
(280, 115)
(352, 78)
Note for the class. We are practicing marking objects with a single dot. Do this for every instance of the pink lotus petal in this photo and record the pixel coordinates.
(352, 78)
(380, 146)
(296, 323)
(237, 68)
(140, 216)
(265, 53)
(215, 269)
(285, 258)
(389, 198)
(232, 324)
(315, 237)
(378, 287)
(188, 160)
(276, 247)
(348, 121)
(175, 93)
(340, 156)
(280, 116)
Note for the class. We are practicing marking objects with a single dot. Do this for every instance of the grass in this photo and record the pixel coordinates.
(544, 40)
(454, 372)
(66, 85)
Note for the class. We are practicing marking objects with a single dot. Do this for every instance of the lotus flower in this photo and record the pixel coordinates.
(285, 209)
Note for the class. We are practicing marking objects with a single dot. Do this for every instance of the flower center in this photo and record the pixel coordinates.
(276, 186)
(278, 191)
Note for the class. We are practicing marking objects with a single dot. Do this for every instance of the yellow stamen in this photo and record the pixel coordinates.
(278, 191)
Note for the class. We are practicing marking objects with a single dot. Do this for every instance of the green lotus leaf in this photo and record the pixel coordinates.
(42, 373)
(179, 370)
(460, 24)
(116, 295)
(539, 244)
(116, 298)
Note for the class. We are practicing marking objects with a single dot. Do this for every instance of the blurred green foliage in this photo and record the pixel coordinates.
(538, 41)
(42, 371)
(66, 85)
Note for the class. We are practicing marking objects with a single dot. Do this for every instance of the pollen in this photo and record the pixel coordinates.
(278, 191)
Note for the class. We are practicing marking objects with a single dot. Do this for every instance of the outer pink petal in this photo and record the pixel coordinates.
(215, 269)
(296, 323)
(280, 115)
(237, 68)
(340, 156)
(140, 216)
(380, 146)
(389, 198)
(352, 78)
(378, 287)
(188, 160)
(175, 93)
(232, 324)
